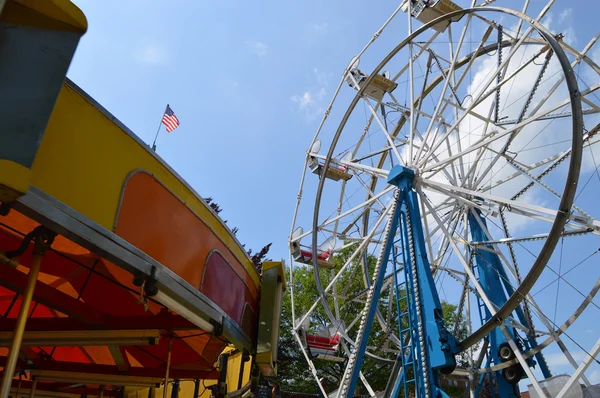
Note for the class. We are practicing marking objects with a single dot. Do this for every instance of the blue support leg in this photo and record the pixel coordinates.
(351, 375)
(433, 346)
(495, 283)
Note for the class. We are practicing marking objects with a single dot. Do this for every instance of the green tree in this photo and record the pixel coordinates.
(293, 371)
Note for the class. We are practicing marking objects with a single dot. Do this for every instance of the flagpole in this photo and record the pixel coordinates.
(159, 126)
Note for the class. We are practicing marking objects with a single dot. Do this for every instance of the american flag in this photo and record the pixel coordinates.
(170, 120)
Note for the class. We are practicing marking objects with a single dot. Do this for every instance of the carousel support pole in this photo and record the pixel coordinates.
(122, 392)
(166, 388)
(101, 391)
(43, 238)
(196, 388)
(245, 358)
(175, 390)
(33, 387)
(18, 387)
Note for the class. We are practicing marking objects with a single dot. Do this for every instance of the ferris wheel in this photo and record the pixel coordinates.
(457, 169)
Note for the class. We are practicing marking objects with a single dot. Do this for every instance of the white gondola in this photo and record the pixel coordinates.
(428, 10)
(324, 344)
(304, 255)
(376, 89)
(335, 171)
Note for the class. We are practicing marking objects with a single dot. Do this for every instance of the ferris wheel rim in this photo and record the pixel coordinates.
(568, 192)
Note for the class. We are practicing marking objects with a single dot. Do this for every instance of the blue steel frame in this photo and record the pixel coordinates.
(438, 343)
(422, 360)
(435, 353)
(495, 283)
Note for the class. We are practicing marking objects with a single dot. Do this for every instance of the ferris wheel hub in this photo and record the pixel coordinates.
(401, 173)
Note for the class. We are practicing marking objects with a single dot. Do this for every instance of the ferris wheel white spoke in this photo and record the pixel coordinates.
(426, 48)
(543, 236)
(438, 107)
(384, 130)
(581, 370)
(444, 244)
(479, 98)
(522, 361)
(529, 168)
(418, 54)
(519, 120)
(551, 331)
(473, 113)
(520, 24)
(366, 384)
(428, 234)
(311, 365)
(467, 68)
(405, 110)
(362, 138)
(446, 217)
(373, 199)
(554, 160)
(371, 193)
(561, 79)
(496, 136)
(459, 255)
(539, 183)
(554, 335)
(374, 171)
(523, 209)
(493, 198)
(358, 250)
(423, 89)
(411, 88)
(378, 152)
(471, 175)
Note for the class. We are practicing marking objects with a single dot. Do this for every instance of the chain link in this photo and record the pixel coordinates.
(417, 298)
(363, 320)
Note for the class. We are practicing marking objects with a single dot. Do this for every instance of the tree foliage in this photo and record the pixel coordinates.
(294, 373)
(257, 258)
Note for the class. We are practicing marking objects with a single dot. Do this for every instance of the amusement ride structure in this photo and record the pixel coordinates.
(112, 268)
(457, 165)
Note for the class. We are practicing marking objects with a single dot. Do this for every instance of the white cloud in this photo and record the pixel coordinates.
(565, 15)
(559, 359)
(151, 53)
(258, 48)
(321, 28)
(310, 102)
(594, 377)
(303, 100)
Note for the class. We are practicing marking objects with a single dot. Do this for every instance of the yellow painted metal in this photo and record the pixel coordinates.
(48, 14)
(186, 387)
(14, 180)
(44, 14)
(272, 289)
(280, 266)
(85, 158)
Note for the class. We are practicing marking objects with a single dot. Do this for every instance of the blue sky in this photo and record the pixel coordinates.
(246, 80)
(249, 82)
